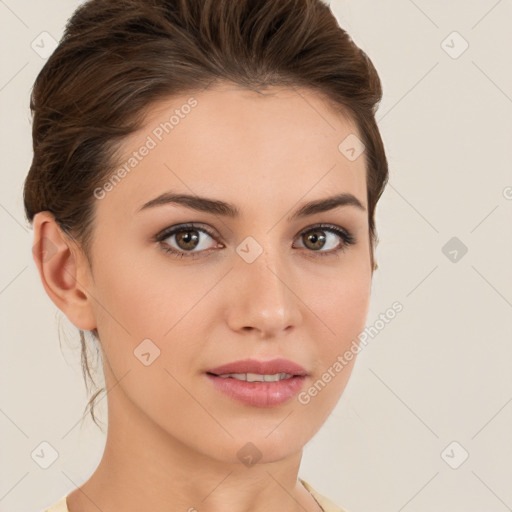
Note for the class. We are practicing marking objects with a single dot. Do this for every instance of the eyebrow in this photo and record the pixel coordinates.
(217, 207)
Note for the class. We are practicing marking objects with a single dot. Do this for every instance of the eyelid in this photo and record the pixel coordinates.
(342, 232)
(168, 231)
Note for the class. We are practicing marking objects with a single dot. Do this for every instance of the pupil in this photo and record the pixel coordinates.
(317, 238)
(187, 238)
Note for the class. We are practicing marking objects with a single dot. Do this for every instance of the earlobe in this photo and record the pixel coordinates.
(58, 263)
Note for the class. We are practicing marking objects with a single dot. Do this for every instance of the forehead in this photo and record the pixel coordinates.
(227, 142)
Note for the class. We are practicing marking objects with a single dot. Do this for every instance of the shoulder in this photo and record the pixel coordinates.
(326, 504)
(59, 506)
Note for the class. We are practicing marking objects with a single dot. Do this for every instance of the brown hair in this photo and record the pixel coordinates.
(117, 57)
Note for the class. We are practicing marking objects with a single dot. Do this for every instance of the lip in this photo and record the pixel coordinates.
(259, 394)
(261, 367)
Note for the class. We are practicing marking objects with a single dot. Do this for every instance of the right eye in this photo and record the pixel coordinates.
(186, 238)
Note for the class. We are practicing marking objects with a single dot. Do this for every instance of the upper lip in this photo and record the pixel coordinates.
(260, 367)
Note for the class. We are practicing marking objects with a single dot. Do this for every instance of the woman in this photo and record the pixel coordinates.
(202, 192)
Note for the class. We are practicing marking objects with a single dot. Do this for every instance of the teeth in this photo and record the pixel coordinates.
(256, 377)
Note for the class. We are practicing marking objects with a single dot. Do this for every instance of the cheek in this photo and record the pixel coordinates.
(345, 315)
(341, 304)
(127, 304)
(137, 301)
(341, 311)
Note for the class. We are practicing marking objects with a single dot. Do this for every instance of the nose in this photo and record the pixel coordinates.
(262, 297)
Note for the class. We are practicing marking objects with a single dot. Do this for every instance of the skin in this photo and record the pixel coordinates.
(173, 438)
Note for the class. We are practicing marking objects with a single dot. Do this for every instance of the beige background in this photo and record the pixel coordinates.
(439, 372)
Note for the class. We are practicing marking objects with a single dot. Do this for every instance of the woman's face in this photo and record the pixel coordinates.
(258, 279)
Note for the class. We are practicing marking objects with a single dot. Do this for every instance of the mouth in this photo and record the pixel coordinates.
(259, 383)
(255, 377)
(256, 367)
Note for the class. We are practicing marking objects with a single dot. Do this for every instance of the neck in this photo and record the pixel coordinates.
(145, 468)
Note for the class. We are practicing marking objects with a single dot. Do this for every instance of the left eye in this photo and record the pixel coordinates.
(323, 239)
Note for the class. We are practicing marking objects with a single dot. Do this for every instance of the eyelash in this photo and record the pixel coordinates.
(347, 238)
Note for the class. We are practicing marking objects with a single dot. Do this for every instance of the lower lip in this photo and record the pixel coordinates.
(259, 394)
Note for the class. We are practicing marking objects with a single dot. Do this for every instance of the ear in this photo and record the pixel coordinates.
(64, 271)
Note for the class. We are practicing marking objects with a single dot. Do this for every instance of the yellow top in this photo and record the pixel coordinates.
(325, 503)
